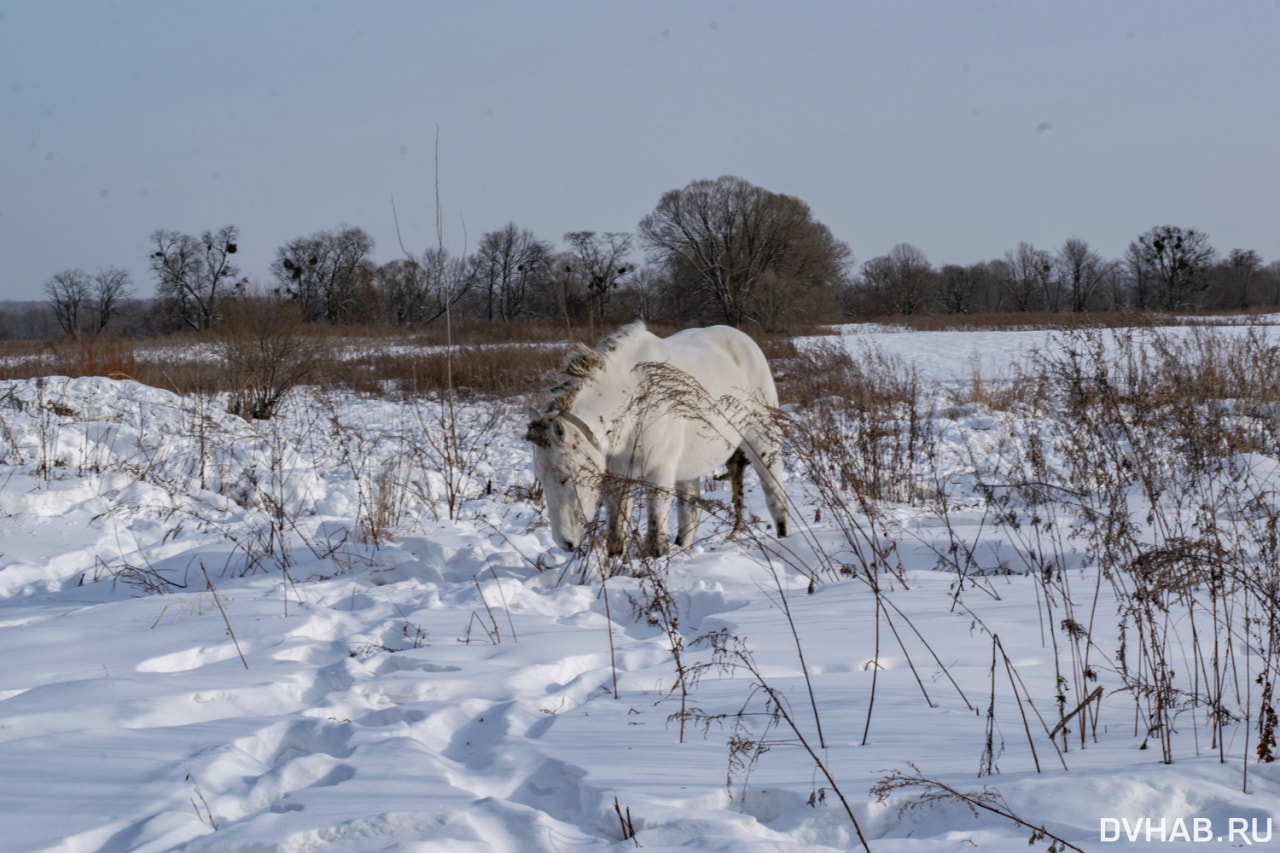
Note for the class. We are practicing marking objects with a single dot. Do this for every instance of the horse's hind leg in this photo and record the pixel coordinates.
(736, 465)
(688, 510)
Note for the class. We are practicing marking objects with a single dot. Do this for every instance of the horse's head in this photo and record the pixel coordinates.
(569, 463)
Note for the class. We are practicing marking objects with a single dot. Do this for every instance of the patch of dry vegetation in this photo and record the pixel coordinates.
(261, 352)
(1030, 320)
(263, 348)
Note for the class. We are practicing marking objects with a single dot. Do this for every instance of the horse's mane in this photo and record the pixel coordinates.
(583, 364)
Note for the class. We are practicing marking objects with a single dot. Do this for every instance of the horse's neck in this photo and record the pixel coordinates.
(602, 403)
(599, 406)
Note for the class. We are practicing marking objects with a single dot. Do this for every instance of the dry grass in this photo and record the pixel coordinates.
(828, 370)
(1150, 460)
(408, 364)
(488, 360)
(485, 371)
(1084, 320)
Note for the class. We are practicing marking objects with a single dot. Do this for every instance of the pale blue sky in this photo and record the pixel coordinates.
(960, 127)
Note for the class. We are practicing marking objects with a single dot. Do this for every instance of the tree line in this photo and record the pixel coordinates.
(1166, 268)
(715, 251)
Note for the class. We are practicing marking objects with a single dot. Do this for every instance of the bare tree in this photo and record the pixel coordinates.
(68, 293)
(81, 302)
(723, 239)
(111, 285)
(1175, 261)
(1139, 280)
(563, 294)
(643, 293)
(899, 283)
(1027, 271)
(328, 274)
(413, 291)
(1235, 282)
(1114, 292)
(508, 265)
(957, 289)
(193, 274)
(1080, 273)
(1268, 284)
(601, 262)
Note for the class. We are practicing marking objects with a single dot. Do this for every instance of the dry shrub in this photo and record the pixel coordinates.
(172, 362)
(777, 347)
(73, 356)
(1024, 392)
(266, 355)
(826, 369)
(1163, 435)
(493, 371)
(862, 425)
(1211, 393)
(465, 333)
(92, 355)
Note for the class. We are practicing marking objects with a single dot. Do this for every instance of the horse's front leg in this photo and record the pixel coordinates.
(688, 511)
(659, 510)
(617, 513)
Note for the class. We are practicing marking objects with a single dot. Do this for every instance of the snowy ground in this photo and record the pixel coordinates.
(278, 637)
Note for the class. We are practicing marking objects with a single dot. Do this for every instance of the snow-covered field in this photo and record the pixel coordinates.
(339, 631)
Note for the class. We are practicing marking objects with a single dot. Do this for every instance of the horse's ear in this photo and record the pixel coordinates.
(533, 414)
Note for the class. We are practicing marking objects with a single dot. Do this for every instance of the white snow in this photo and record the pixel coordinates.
(217, 635)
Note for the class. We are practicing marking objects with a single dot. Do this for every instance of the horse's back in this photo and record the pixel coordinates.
(725, 360)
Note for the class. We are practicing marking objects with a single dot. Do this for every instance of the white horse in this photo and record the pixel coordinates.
(659, 413)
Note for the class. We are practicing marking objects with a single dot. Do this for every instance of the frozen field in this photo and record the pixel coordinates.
(345, 630)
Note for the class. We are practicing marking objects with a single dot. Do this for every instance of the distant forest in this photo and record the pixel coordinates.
(716, 251)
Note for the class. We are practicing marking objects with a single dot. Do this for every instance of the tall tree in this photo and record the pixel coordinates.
(1175, 261)
(329, 274)
(1234, 282)
(1268, 284)
(957, 289)
(1028, 272)
(601, 262)
(67, 294)
(419, 291)
(899, 283)
(724, 239)
(1139, 282)
(111, 285)
(194, 273)
(509, 264)
(1080, 272)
